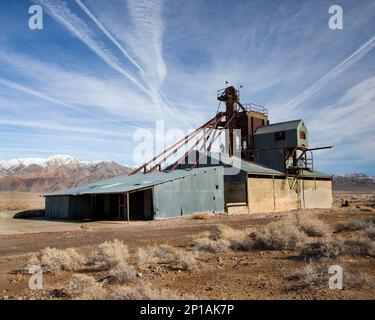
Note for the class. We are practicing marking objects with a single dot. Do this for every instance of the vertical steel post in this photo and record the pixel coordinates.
(127, 207)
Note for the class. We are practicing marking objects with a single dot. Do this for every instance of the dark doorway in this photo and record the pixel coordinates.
(114, 206)
(141, 205)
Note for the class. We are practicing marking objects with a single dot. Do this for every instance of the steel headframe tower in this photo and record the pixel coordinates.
(236, 116)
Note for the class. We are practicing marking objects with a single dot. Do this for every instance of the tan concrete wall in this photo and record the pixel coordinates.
(268, 195)
(260, 195)
(285, 198)
(317, 194)
(237, 208)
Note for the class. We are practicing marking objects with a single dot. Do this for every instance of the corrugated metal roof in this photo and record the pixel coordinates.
(281, 126)
(315, 174)
(126, 183)
(249, 166)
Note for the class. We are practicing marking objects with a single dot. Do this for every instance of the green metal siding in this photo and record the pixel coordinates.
(195, 193)
(57, 207)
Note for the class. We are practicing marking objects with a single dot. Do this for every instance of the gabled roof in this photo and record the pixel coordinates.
(126, 183)
(281, 126)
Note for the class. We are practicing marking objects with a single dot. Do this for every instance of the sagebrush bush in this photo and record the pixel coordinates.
(352, 225)
(311, 276)
(210, 245)
(84, 287)
(279, 235)
(122, 274)
(370, 231)
(290, 233)
(313, 227)
(144, 291)
(54, 260)
(110, 254)
(320, 249)
(175, 257)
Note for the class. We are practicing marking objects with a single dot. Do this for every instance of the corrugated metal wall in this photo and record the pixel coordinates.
(199, 192)
(57, 207)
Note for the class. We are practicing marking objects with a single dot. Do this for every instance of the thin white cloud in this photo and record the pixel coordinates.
(78, 27)
(59, 127)
(332, 74)
(41, 95)
(145, 41)
(147, 36)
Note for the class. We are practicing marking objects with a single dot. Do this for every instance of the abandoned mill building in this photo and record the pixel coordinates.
(271, 168)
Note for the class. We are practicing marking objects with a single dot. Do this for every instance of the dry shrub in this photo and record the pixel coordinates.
(210, 245)
(220, 240)
(144, 291)
(370, 231)
(359, 246)
(225, 232)
(200, 216)
(84, 287)
(110, 254)
(311, 276)
(355, 280)
(321, 249)
(290, 233)
(54, 260)
(177, 258)
(122, 274)
(371, 249)
(352, 225)
(280, 235)
(312, 226)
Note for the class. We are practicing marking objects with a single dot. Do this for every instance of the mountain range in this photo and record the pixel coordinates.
(54, 173)
(63, 171)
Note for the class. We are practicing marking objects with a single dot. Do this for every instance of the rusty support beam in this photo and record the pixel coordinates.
(144, 166)
(197, 143)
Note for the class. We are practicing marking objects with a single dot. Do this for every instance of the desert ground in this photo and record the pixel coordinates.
(284, 255)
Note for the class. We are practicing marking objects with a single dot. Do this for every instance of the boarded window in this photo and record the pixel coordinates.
(302, 135)
(280, 135)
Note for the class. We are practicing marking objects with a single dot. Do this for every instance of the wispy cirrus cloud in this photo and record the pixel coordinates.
(331, 75)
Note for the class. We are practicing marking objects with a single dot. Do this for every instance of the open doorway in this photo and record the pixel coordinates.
(114, 206)
(141, 205)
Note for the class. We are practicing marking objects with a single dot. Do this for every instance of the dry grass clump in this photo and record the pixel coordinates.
(84, 287)
(54, 260)
(200, 216)
(359, 246)
(321, 249)
(211, 245)
(144, 291)
(122, 274)
(110, 254)
(280, 235)
(290, 233)
(318, 276)
(165, 254)
(352, 225)
(222, 239)
(312, 226)
(370, 231)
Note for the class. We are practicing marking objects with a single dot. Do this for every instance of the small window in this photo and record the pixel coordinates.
(280, 135)
(302, 135)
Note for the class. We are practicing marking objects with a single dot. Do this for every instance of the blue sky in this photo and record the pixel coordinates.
(101, 69)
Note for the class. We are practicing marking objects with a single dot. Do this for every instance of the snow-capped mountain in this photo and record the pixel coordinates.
(54, 173)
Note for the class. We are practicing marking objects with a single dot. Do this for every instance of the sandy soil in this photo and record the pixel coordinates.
(231, 275)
